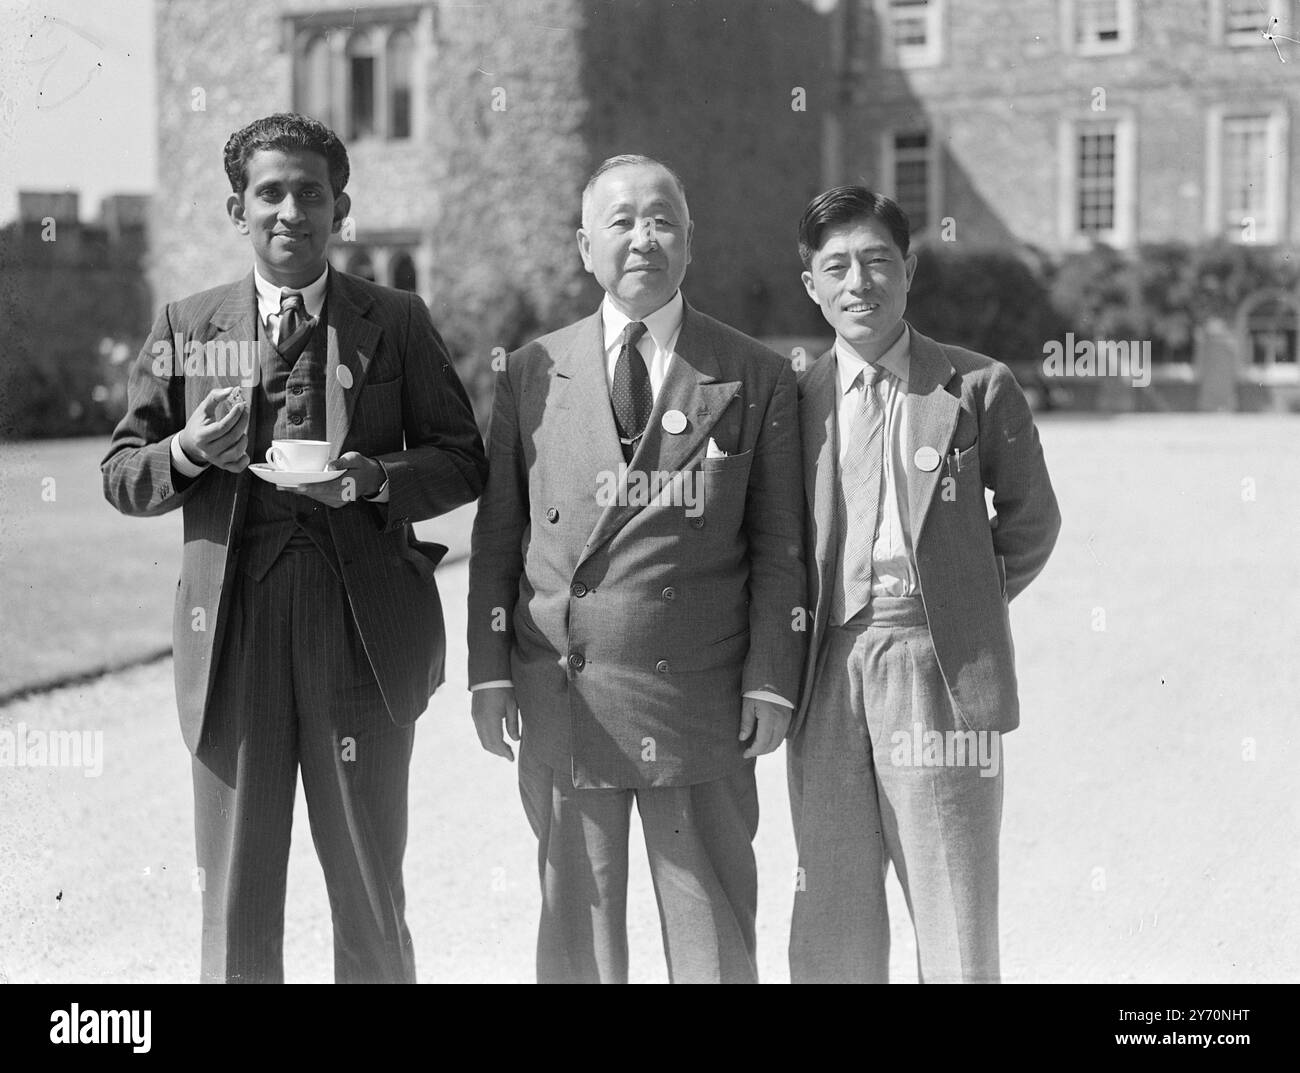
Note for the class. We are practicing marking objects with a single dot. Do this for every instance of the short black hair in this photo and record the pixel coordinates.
(842, 204)
(284, 131)
(626, 160)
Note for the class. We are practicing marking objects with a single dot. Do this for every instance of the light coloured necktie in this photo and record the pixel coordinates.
(857, 501)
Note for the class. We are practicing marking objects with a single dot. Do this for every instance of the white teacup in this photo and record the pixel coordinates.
(298, 456)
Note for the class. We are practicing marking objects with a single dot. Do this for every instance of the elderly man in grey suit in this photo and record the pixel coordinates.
(635, 585)
(896, 753)
(308, 630)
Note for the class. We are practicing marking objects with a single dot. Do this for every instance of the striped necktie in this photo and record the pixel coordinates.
(857, 500)
(292, 314)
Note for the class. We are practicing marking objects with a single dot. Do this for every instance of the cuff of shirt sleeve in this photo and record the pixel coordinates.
(775, 698)
(181, 460)
(382, 495)
(500, 683)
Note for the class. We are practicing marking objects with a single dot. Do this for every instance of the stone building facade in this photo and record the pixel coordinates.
(1061, 122)
(472, 128)
(1058, 124)
(1045, 126)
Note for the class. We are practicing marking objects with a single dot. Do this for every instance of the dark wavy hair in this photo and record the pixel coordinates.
(842, 204)
(283, 131)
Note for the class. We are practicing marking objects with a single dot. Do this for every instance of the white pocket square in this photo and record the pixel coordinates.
(714, 451)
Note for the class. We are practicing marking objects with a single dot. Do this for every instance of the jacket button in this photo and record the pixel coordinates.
(296, 419)
(576, 661)
(579, 589)
(552, 515)
(670, 593)
(662, 666)
(697, 523)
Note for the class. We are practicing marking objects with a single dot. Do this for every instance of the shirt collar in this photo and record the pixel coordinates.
(896, 361)
(662, 325)
(268, 294)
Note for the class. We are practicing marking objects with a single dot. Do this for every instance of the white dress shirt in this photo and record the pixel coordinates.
(268, 299)
(893, 571)
(655, 346)
(663, 326)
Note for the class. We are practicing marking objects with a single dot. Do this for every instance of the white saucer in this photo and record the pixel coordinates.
(287, 478)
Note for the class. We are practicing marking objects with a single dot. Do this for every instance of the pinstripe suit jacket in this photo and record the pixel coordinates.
(970, 409)
(631, 627)
(406, 407)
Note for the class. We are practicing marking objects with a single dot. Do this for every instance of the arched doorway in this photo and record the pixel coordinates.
(1268, 327)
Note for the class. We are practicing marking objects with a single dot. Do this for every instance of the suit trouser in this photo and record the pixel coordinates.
(871, 783)
(699, 841)
(294, 688)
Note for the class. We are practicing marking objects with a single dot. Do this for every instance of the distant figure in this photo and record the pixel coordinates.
(308, 631)
(635, 581)
(896, 755)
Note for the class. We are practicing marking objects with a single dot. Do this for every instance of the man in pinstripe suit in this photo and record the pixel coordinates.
(308, 631)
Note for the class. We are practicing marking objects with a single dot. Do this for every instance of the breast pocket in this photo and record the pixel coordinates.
(377, 420)
(723, 484)
(969, 458)
(966, 469)
(738, 463)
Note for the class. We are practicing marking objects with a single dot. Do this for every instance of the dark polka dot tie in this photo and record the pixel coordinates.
(633, 400)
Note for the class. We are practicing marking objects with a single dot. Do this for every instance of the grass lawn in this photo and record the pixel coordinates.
(86, 588)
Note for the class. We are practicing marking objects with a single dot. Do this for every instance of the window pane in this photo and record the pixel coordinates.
(1096, 20)
(359, 264)
(1245, 171)
(1272, 328)
(912, 176)
(361, 86)
(400, 56)
(403, 269)
(1245, 17)
(312, 81)
(362, 72)
(1096, 181)
(909, 22)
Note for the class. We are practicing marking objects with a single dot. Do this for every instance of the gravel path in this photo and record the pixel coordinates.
(1151, 816)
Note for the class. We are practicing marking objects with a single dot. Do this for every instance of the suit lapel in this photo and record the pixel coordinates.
(235, 323)
(817, 420)
(351, 343)
(580, 392)
(929, 421)
(693, 386)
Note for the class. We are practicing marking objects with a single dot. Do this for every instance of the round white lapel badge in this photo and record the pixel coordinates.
(345, 376)
(926, 458)
(674, 421)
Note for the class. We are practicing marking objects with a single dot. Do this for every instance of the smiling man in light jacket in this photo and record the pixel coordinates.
(896, 754)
